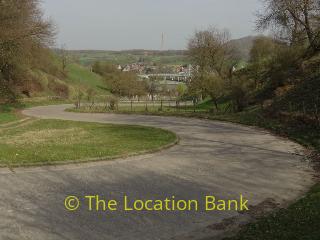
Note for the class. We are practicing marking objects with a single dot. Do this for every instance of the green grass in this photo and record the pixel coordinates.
(299, 222)
(54, 141)
(7, 113)
(307, 135)
(301, 133)
(8, 117)
(81, 77)
(127, 57)
(185, 108)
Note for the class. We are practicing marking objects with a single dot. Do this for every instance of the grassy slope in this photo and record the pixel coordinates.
(299, 222)
(50, 141)
(81, 77)
(77, 78)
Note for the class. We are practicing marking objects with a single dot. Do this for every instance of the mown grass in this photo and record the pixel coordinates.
(54, 141)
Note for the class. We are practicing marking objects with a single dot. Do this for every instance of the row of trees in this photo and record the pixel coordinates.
(211, 52)
(127, 84)
(24, 38)
(120, 83)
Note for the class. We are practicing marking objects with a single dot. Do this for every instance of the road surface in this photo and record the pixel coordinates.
(212, 158)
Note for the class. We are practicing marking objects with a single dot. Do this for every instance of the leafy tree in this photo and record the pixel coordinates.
(215, 87)
(262, 53)
(122, 84)
(181, 90)
(210, 51)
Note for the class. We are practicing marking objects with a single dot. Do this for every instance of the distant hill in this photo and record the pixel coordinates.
(167, 57)
(243, 47)
(170, 57)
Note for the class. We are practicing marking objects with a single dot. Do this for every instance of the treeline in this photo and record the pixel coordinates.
(121, 84)
(282, 75)
(24, 39)
(128, 84)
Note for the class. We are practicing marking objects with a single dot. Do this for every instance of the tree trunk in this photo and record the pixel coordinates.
(215, 102)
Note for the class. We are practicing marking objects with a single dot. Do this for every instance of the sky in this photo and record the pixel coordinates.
(139, 24)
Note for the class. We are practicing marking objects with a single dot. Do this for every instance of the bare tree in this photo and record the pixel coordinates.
(298, 21)
(63, 54)
(210, 51)
(23, 33)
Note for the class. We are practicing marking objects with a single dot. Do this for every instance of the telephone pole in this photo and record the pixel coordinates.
(162, 42)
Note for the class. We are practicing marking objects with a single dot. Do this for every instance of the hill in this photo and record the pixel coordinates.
(38, 82)
(242, 47)
(168, 57)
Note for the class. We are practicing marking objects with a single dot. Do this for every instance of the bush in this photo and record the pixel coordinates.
(59, 88)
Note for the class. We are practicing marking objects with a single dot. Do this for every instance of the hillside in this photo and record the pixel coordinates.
(43, 83)
(168, 57)
(242, 47)
(81, 77)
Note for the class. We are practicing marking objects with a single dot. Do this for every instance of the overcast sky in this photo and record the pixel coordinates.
(139, 24)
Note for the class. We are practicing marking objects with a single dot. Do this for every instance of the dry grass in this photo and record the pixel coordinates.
(45, 136)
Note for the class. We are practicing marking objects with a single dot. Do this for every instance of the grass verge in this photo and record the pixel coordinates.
(38, 142)
(8, 113)
(298, 222)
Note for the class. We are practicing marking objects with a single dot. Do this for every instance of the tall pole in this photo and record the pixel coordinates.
(162, 42)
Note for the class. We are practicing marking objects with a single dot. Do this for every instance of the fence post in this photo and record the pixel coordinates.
(131, 106)
(161, 105)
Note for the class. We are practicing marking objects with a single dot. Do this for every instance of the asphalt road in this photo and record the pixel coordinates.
(212, 158)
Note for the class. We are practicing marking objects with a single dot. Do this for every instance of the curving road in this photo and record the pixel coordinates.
(212, 158)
